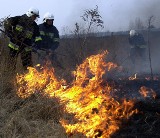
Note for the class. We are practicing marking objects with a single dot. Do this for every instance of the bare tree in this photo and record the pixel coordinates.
(92, 18)
(78, 49)
(150, 21)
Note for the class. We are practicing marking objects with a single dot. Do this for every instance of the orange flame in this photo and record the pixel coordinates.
(149, 78)
(147, 92)
(37, 80)
(95, 112)
(134, 77)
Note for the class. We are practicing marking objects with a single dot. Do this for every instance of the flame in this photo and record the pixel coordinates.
(37, 80)
(147, 92)
(95, 112)
(150, 78)
(134, 77)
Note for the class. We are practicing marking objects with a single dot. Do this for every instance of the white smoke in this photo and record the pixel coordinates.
(117, 14)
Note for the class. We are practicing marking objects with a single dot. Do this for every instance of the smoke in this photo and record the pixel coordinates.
(147, 8)
(117, 14)
(122, 13)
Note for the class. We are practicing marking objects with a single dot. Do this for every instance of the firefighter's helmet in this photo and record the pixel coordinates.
(48, 16)
(132, 32)
(32, 11)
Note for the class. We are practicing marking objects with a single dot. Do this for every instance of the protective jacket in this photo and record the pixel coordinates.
(137, 41)
(50, 37)
(22, 31)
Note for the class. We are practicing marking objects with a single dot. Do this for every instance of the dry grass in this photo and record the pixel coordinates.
(38, 117)
(35, 117)
(30, 118)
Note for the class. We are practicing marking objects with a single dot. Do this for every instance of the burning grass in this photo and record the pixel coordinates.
(95, 112)
(87, 107)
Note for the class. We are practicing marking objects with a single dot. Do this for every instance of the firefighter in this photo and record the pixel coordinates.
(50, 38)
(22, 32)
(137, 47)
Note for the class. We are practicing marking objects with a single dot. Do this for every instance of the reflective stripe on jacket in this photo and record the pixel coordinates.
(56, 39)
(49, 35)
(19, 28)
(16, 47)
(29, 34)
(38, 39)
(13, 46)
(27, 49)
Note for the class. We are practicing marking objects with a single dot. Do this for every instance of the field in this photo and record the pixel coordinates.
(40, 116)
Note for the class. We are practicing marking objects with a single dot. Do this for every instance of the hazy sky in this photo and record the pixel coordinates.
(116, 14)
